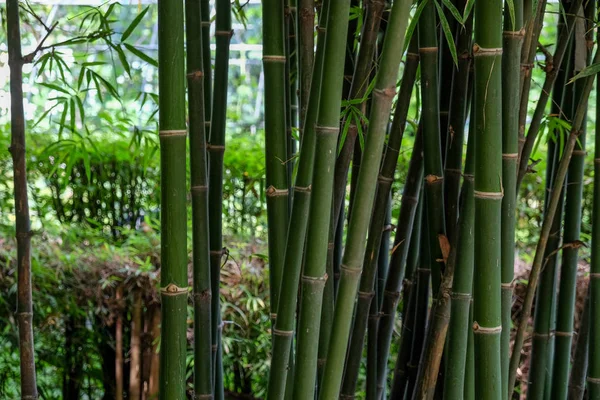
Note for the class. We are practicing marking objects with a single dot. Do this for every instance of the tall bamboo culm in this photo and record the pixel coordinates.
(23, 223)
(319, 217)
(274, 61)
(511, 66)
(433, 167)
(173, 134)
(296, 235)
(547, 224)
(572, 229)
(203, 376)
(579, 373)
(351, 268)
(216, 149)
(487, 325)
(593, 379)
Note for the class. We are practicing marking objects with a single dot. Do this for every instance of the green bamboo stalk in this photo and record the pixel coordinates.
(593, 377)
(582, 353)
(22, 219)
(528, 52)
(469, 392)
(512, 44)
(547, 225)
(284, 325)
(571, 242)
(306, 45)
(384, 185)
(456, 125)
(462, 286)
(434, 175)
(291, 72)
(216, 150)
(552, 68)
(383, 261)
(274, 61)
(408, 206)
(358, 89)
(203, 375)
(487, 325)
(423, 288)
(383, 93)
(172, 132)
(326, 130)
(409, 297)
(207, 61)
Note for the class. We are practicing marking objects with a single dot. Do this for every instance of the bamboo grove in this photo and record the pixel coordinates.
(419, 306)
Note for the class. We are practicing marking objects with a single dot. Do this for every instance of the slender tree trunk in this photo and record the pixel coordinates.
(173, 133)
(119, 346)
(135, 348)
(583, 351)
(153, 383)
(23, 223)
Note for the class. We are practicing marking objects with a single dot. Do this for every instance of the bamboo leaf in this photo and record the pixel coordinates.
(587, 71)
(413, 24)
(123, 59)
(468, 9)
(141, 55)
(454, 11)
(511, 11)
(133, 24)
(55, 87)
(447, 33)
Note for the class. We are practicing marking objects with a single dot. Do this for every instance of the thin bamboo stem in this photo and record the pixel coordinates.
(173, 135)
(284, 325)
(511, 58)
(306, 46)
(351, 268)
(583, 351)
(202, 293)
(22, 219)
(547, 225)
(319, 217)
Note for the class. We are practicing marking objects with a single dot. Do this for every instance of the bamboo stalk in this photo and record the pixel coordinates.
(358, 89)
(22, 219)
(306, 46)
(552, 69)
(216, 149)
(512, 43)
(434, 175)
(274, 61)
(409, 294)
(488, 193)
(462, 285)
(207, 61)
(202, 293)
(456, 125)
(119, 386)
(593, 377)
(326, 131)
(547, 224)
(384, 185)
(284, 325)
(351, 267)
(469, 392)
(583, 351)
(408, 206)
(173, 134)
(572, 229)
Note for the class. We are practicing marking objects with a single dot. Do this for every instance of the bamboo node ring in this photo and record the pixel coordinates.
(509, 285)
(203, 396)
(173, 290)
(206, 123)
(303, 189)
(366, 295)
(206, 24)
(314, 279)
(385, 179)
(595, 275)
(563, 334)
(172, 133)
(388, 92)
(277, 59)
(224, 33)
(510, 156)
(215, 148)
(350, 271)
(488, 195)
(195, 75)
(327, 129)
(486, 330)
(25, 314)
(433, 179)
(199, 189)
(273, 192)
(24, 235)
(479, 51)
(595, 381)
(280, 332)
(579, 152)
(460, 296)
(428, 49)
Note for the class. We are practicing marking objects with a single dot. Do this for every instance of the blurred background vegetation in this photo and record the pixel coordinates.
(93, 165)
